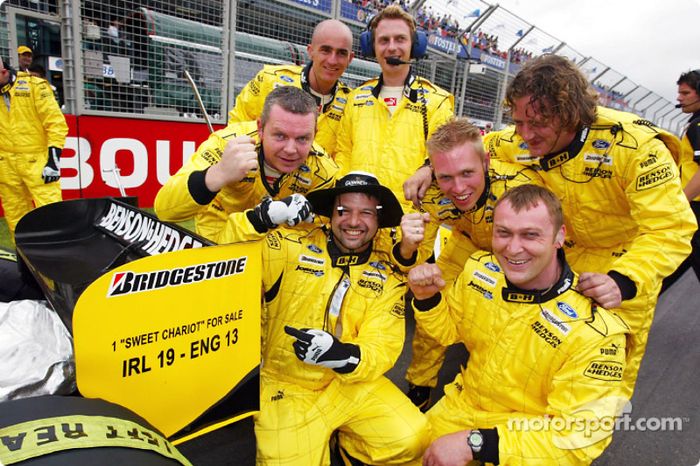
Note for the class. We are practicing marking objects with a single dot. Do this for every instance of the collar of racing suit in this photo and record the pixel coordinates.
(342, 259)
(408, 90)
(553, 160)
(10, 82)
(306, 85)
(512, 293)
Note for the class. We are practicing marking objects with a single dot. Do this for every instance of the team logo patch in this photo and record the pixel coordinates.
(484, 292)
(398, 311)
(598, 158)
(337, 107)
(311, 260)
(363, 96)
(522, 146)
(369, 103)
(558, 324)
(444, 201)
(273, 241)
(484, 278)
(378, 275)
(366, 88)
(566, 309)
(342, 100)
(304, 168)
(314, 248)
(655, 177)
(310, 271)
(286, 79)
(372, 285)
(600, 144)
(377, 265)
(604, 370)
(492, 267)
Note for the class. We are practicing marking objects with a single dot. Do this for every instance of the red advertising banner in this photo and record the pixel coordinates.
(145, 153)
(141, 153)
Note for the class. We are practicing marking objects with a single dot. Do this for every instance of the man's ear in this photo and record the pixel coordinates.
(561, 234)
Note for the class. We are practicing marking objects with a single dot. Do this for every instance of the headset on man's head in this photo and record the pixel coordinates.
(419, 41)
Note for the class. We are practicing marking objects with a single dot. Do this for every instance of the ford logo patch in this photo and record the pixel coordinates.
(566, 309)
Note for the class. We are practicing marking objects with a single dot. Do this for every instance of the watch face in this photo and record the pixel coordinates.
(476, 439)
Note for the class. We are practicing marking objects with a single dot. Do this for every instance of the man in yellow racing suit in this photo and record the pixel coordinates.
(239, 165)
(544, 378)
(33, 131)
(332, 325)
(330, 51)
(465, 188)
(628, 222)
(389, 118)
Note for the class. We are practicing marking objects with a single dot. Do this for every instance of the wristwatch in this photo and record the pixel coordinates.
(475, 440)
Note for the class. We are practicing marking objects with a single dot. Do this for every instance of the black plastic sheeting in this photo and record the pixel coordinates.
(65, 248)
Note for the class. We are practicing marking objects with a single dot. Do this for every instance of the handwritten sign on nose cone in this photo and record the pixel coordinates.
(171, 336)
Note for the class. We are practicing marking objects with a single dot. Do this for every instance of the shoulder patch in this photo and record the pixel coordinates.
(273, 240)
(655, 177)
(610, 371)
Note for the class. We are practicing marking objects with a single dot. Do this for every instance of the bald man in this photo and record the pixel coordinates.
(330, 53)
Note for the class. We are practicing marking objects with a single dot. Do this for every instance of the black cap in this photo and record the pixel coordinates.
(359, 182)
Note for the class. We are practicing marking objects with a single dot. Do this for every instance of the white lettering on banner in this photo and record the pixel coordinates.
(163, 169)
(82, 151)
(491, 60)
(446, 45)
(108, 160)
(134, 226)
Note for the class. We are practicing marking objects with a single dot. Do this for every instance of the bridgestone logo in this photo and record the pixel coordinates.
(130, 282)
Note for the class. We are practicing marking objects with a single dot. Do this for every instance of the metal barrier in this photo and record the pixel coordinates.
(129, 57)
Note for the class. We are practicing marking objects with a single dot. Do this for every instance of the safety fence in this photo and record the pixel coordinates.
(129, 58)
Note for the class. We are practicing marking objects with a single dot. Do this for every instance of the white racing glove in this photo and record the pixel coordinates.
(291, 210)
(52, 169)
(320, 348)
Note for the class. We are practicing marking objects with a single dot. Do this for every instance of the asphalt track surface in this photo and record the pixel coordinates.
(664, 427)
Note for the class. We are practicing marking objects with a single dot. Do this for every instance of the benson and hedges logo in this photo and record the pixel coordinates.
(128, 282)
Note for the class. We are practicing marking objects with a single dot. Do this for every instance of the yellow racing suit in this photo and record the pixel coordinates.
(308, 283)
(249, 102)
(30, 123)
(471, 231)
(185, 196)
(390, 146)
(544, 378)
(624, 210)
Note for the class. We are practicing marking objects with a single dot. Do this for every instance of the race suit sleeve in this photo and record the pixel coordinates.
(52, 119)
(454, 255)
(249, 102)
(582, 407)
(177, 200)
(444, 312)
(381, 334)
(660, 209)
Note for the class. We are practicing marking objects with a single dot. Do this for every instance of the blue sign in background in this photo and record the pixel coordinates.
(320, 5)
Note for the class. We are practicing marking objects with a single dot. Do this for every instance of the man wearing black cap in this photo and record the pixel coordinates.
(332, 325)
